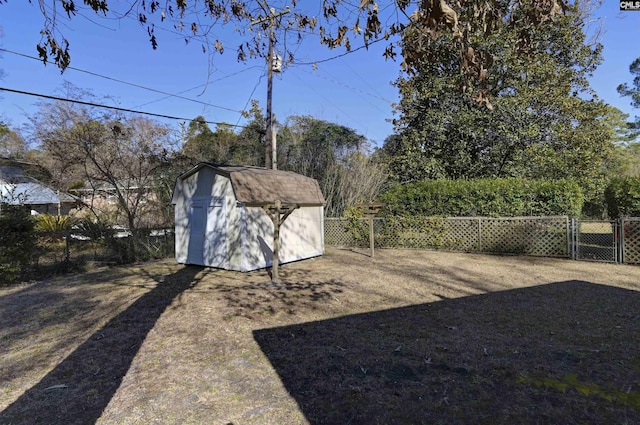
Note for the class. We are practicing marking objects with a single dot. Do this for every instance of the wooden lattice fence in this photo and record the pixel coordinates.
(336, 233)
(540, 236)
(631, 240)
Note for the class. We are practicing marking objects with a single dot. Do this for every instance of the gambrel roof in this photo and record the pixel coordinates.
(262, 186)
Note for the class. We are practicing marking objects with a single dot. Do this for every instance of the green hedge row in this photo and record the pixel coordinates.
(509, 197)
(622, 197)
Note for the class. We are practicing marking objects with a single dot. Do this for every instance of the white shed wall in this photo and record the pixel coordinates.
(301, 236)
(234, 236)
(214, 191)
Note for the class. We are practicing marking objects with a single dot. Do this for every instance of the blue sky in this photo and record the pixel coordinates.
(621, 40)
(353, 90)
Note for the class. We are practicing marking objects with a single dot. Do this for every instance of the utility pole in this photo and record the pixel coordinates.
(270, 158)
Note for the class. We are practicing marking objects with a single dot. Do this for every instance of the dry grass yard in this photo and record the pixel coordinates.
(409, 337)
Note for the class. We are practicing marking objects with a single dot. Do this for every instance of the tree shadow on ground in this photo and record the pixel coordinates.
(250, 299)
(80, 387)
(563, 352)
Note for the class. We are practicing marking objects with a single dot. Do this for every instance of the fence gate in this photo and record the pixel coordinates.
(596, 240)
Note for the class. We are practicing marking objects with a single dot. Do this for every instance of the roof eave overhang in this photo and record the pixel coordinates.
(199, 167)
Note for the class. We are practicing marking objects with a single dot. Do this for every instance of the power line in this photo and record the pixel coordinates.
(251, 95)
(364, 80)
(115, 108)
(353, 89)
(328, 101)
(364, 46)
(200, 86)
(128, 83)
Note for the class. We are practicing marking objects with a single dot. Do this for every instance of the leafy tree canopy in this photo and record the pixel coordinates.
(4, 129)
(530, 113)
(335, 156)
(633, 91)
(12, 144)
(204, 145)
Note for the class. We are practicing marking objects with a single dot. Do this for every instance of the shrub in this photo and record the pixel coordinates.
(54, 226)
(483, 197)
(94, 229)
(622, 196)
(17, 242)
(357, 226)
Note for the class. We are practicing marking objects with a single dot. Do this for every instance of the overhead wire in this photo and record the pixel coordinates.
(202, 85)
(353, 89)
(98, 105)
(251, 95)
(329, 101)
(348, 52)
(170, 95)
(95, 74)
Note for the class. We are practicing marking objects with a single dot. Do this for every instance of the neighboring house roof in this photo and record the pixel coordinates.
(14, 174)
(16, 188)
(32, 194)
(108, 187)
(261, 186)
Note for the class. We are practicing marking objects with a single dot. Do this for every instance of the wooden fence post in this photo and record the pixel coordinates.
(274, 211)
(275, 262)
(371, 243)
(370, 211)
(620, 238)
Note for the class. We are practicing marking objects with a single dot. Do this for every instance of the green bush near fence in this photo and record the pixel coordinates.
(622, 196)
(509, 197)
(356, 226)
(17, 242)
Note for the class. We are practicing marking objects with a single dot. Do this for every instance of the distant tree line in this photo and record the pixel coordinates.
(137, 160)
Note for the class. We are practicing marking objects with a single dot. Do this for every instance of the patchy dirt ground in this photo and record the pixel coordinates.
(407, 337)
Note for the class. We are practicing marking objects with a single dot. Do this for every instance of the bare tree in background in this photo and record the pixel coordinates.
(121, 156)
(334, 155)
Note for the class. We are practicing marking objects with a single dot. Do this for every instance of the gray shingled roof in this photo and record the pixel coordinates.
(14, 174)
(33, 194)
(17, 188)
(261, 186)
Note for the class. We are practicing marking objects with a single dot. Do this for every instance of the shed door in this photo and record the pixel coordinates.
(208, 232)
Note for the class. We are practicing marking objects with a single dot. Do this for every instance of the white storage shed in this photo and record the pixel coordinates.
(220, 220)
